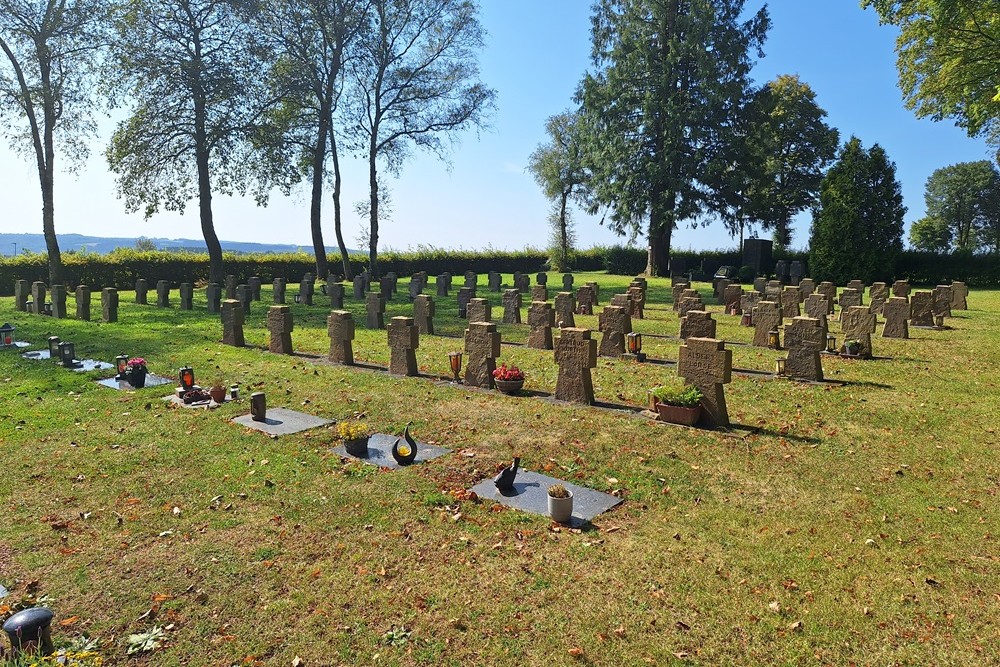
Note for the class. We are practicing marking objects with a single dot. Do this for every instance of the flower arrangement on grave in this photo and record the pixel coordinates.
(558, 491)
(560, 503)
(677, 405)
(135, 372)
(508, 379)
(355, 435)
(852, 347)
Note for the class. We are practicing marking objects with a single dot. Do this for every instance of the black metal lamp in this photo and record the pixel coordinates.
(186, 377)
(121, 365)
(53, 347)
(633, 342)
(6, 335)
(67, 354)
(831, 344)
(773, 339)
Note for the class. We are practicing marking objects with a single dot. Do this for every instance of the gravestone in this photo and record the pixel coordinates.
(254, 283)
(38, 297)
(511, 306)
(442, 286)
(858, 323)
(807, 286)
(731, 301)
(479, 310)
(767, 317)
(21, 291)
(359, 287)
(375, 311)
(829, 290)
(306, 290)
(781, 270)
(597, 291)
(708, 365)
(901, 288)
(795, 272)
(959, 296)
(805, 338)
(567, 282)
(849, 298)
(162, 294)
(772, 291)
(385, 287)
(719, 286)
(109, 304)
(576, 354)
(896, 312)
(748, 301)
(541, 319)
(942, 300)
(637, 295)
(523, 283)
(141, 291)
(760, 285)
(697, 324)
(279, 325)
(482, 348)
(245, 297)
(187, 296)
(922, 309)
(676, 291)
(816, 306)
(231, 286)
(465, 295)
(539, 293)
(614, 322)
(565, 309)
(336, 294)
(790, 302)
(447, 280)
(213, 295)
(340, 329)
(423, 314)
(471, 279)
(416, 287)
(542, 278)
(59, 302)
(641, 282)
(232, 323)
(493, 281)
(858, 285)
(585, 300)
(877, 294)
(83, 302)
(404, 338)
(690, 300)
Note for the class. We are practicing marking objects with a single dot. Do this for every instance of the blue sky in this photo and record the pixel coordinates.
(536, 54)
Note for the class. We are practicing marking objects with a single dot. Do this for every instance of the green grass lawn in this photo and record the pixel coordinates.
(839, 524)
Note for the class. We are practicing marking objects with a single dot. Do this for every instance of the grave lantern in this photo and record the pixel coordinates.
(6, 335)
(455, 361)
(831, 344)
(53, 347)
(298, 298)
(779, 366)
(67, 354)
(773, 340)
(121, 365)
(48, 308)
(186, 378)
(939, 321)
(322, 288)
(633, 341)
(747, 320)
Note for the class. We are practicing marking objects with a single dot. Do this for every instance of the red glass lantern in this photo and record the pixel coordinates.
(186, 378)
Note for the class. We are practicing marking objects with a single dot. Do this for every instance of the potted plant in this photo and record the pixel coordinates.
(136, 371)
(677, 405)
(508, 380)
(560, 503)
(852, 348)
(218, 391)
(355, 435)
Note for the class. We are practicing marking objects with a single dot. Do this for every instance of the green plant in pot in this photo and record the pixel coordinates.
(677, 404)
(852, 347)
(560, 503)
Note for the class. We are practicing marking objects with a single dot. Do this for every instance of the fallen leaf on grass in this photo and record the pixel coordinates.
(576, 652)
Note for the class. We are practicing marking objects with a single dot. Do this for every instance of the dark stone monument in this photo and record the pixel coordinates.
(213, 294)
(471, 279)
(423, 314)
(708, 365)
(141, 290)
(307, 289)
(279, 325)
(336, 294)
(576, 354)
(340, 329)
(83, 302)
(896, 312)
(385, 287)
(585, 300)
(232, 323)
(795, 272)
(542, 278)
(244, 296)
(482, 348)
(38, 292)
(760, 285)
(567, 282)
(254, 283)
(901, 288)
(565, 308)
(162, 294)
(781, 271)
(479, 310)
(231, 286)
(442, 286)
(511, 306)
(375, 311)
(465, 295)
(539, 293)
(614, 322)
(404, 338)
(757, 255)
(359, 287)
(494, 280)
(109, 304)
(21, 291)
(541, 319)
(59, 302)
(187, 296)
(415, 288)
(523, 283)
(857, 284)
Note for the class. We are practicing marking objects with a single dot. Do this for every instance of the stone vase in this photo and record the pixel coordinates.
(357, 447)
(509, 387)
(675, 414)
(218, 393)
(561, 509)
(137, 377)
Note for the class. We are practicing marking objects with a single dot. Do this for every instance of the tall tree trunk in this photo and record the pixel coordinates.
(373, 212)
(216, 270)
(337, 228)
(46, 168)
(316, 197)
(563, 235)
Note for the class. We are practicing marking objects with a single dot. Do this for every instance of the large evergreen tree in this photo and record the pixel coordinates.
(670, 79)
(857, 227)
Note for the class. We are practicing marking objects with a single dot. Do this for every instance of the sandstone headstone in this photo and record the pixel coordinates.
(565, 309)
(213, 294)
(896, 312)
(576, 354)
(336, 293)
(340, 329)
(858, 323)
(359, 287)
(901, 288)
(83, 302)
(708, 365)
(790, 301)
(141, 290)
(849, 298)
(719, 286)
(254, 283)
(542, 278)
(942, 300)
(760, 285)
(38, 292)
(279, 326)
(677, 290)
(109, 304)
(245, 297)
(637, 295)
(731, 301)
(232, 323)
(585, 300)
(748, 301)
(187, 296)
(690, 300)
(772, 292)
(805, 338)
(493, 281)
(482, 348)
(541, 319)
(479, 310)
(614, 322)
(597, 291)
(471, 279)
(21, 291)
(59, 302)
(162, 294)
(959, 296)
(539, 293)
(567, 281)
(858, 285)
(829, 290)
(423, 314)
(922, 309)
(404, 337)
(767, 317)
(375, 311)
(511, 306)
(807, 286)
(877, 294)
(465, 295)
(697, 324)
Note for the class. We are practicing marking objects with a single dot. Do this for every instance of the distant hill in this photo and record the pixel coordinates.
(102, 245)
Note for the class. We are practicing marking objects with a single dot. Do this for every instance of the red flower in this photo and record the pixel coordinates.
(504, 373)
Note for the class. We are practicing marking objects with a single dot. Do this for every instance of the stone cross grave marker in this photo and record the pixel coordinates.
(541, 319)
(21, 292)
(690, 300)
(790, 302)
(187, 296)
(465, 295)
(359, 287)
(279, 325)
(614, 322)
(896, 312)
(141, 291)
(858, 323)
(767, 317)
(523, 283)
(959, 296)
(942, 300)
(38, 292)
(901, 288)
(385, 287)
(423, 314)
(849, 298)
(375, 310)
(447, 280)
(336, 293)
(719, 289)
(442, 285)
(307, 289)
(676, 291)
(748, 301)
(922, 309)
(781, 270)
(697, 324)
(415, 288)
(597, 291)
(83, 302)
(244, 296)
(877, 294)
(585, 300)
(471, 279)
(817, 308)
(760, 285)
(59, 302)
(493, 281)
(109, 304)
(829, 290)
(231, 286)
(772, 292)
(795, 272)
(567, 281)
(479, 310)
(637, 295)
(404, 338)
(576, 354)
(708, 365)
(482, 348)
(805, 338)
(542, 278)
(511, 306)
(539, 293)
(340, 329)
(232, 323)
(162, 294)
(807, 286)
(565, 309)
(858, 285)
(254, 283)
(213, 295)
(731, 301)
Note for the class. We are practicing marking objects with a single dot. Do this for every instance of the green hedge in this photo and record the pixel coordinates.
(928, 268)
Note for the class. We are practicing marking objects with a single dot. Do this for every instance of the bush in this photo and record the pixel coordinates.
(746, 275)
(622, 261)
(687, 396)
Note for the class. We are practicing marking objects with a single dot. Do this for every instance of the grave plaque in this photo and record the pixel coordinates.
(231, 286)
(805, 338)
(697, 324)
(141, 289)
(731, 302)
(109, 304)
(849, 298)
(896, 312)
(767, 317)
(585, 300)
(38, 297)
(340, 329)
(541, 319)
(901, 288)
(542, 278)
(614, 322)
(423, 314)
(942, 300)
(279, 325)
(59, 302)
(817, 306)
(959, 296)
(877, 294)
(254, 283)
(404, 338)
(442, 285)
(482, 348)
(187, 296)
(565, 309)
(375, 310)
(336, 292)
(677, 290)
(597, 291)
(465, 295)
(790, 302)
(922, 309)
(471, 279)
(707, 364)
(162, 294)
(232, 323)
(479, 310)
(567, 282)
(576, 354)
(511, 306)
(829, 290)
(244, 296)
(858, 323)
(213, 294)
(83, 302)
(539, 293)
(493, 281)
(807, 286)
(359, 287)
(21, 291)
